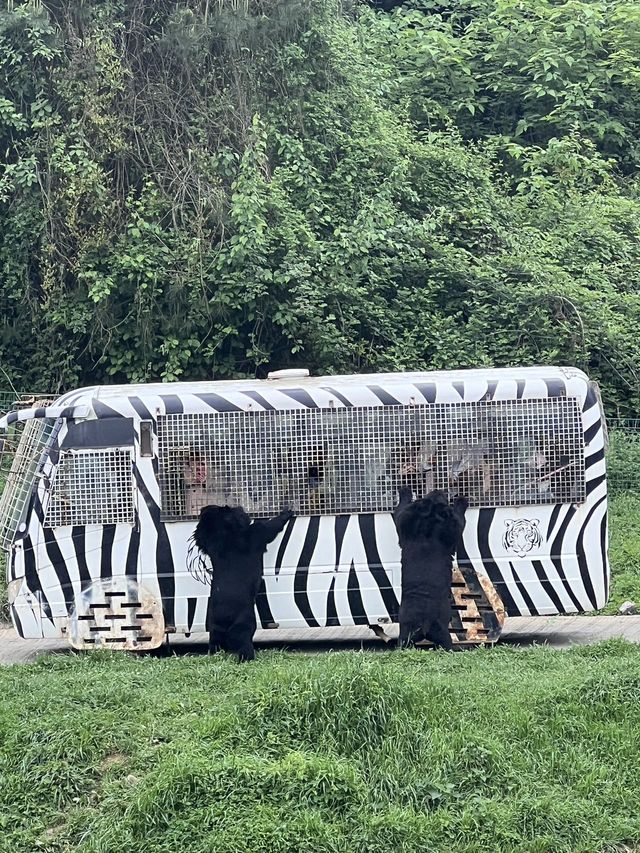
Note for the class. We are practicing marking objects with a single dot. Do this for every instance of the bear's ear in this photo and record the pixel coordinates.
(534, 522)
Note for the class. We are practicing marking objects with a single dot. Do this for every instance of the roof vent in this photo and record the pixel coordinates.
(294, 373)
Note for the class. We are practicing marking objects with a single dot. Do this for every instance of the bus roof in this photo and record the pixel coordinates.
(385, 380)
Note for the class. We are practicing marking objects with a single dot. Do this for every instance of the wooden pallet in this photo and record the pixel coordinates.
(478, 611)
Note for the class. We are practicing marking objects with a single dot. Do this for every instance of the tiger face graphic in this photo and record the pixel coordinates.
(522, 536)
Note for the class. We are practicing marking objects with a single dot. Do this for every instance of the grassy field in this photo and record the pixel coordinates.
(502, 750)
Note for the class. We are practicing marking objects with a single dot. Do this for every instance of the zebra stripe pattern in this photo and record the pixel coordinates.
(321, 570)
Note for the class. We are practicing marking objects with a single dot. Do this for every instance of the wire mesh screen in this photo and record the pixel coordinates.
(93, 487)
(29, 448)
(353, 460)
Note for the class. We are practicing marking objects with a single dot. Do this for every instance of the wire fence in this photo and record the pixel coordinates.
(623, 455)
(623, 452)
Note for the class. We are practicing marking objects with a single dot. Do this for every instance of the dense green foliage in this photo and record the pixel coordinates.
(509, 749)
(208, 188)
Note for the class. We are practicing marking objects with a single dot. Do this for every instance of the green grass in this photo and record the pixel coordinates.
(491, 750)
(4, 604)
(624, 550)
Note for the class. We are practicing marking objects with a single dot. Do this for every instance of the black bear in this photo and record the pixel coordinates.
(235, 547)
(429, 532)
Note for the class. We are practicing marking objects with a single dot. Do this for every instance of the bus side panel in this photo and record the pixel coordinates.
(330, 570)
(542, 560)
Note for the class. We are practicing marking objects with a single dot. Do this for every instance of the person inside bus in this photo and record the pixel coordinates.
(195, 483)
(316, 481)
(415, 467)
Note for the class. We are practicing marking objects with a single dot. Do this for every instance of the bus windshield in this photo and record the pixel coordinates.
(17, 492)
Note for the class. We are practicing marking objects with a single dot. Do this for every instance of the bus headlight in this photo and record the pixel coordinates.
(13, 588)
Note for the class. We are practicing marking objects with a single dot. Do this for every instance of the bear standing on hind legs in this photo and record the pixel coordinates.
(429, 531)
(235, 547)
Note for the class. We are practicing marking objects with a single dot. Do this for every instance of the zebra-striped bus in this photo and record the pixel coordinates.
(107, 483)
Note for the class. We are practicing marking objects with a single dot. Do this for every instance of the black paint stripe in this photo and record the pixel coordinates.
(523, 591)
(141, 410)
(60, 567)
(54, 446)
(80, 550)
(558, 564)
(556, 545)
(332, 612)
(258, 398)
(32, 579)
(172, 404)
(603, 549)
(103, 411)
(218, 403)
(300, 594)
(262, 603)
(283, 546)
(385, 398)
(582, 557)
(133, 550)
(492, 386)
(556, 558)
(340, 529)
(106, 551)
(346, 403)
(36, 507)
(520, 385)
(17, 622)
(10, 560)
(485, 520)
(556, 387)
(591, 432)
(356, 607)
(590, 400)
(191, 612)
(164, 558)
(592, 485)
(593, 458)
(428, 390)
(546, 584)
(300, 396)
(554, 517)
(459, 387)
(368, 534)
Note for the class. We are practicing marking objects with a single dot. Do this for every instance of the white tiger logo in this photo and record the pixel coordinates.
(522, 536)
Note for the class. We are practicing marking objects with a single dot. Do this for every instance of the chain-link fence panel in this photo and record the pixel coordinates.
(623, 455)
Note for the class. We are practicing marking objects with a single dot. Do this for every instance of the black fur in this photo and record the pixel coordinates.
(429, 531)
(235, 546)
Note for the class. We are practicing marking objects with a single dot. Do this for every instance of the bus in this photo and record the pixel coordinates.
(107, 483)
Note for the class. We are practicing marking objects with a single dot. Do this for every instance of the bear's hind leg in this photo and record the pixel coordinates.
(239, 639)
(409, 633)
(439, 634)
(216, 641)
